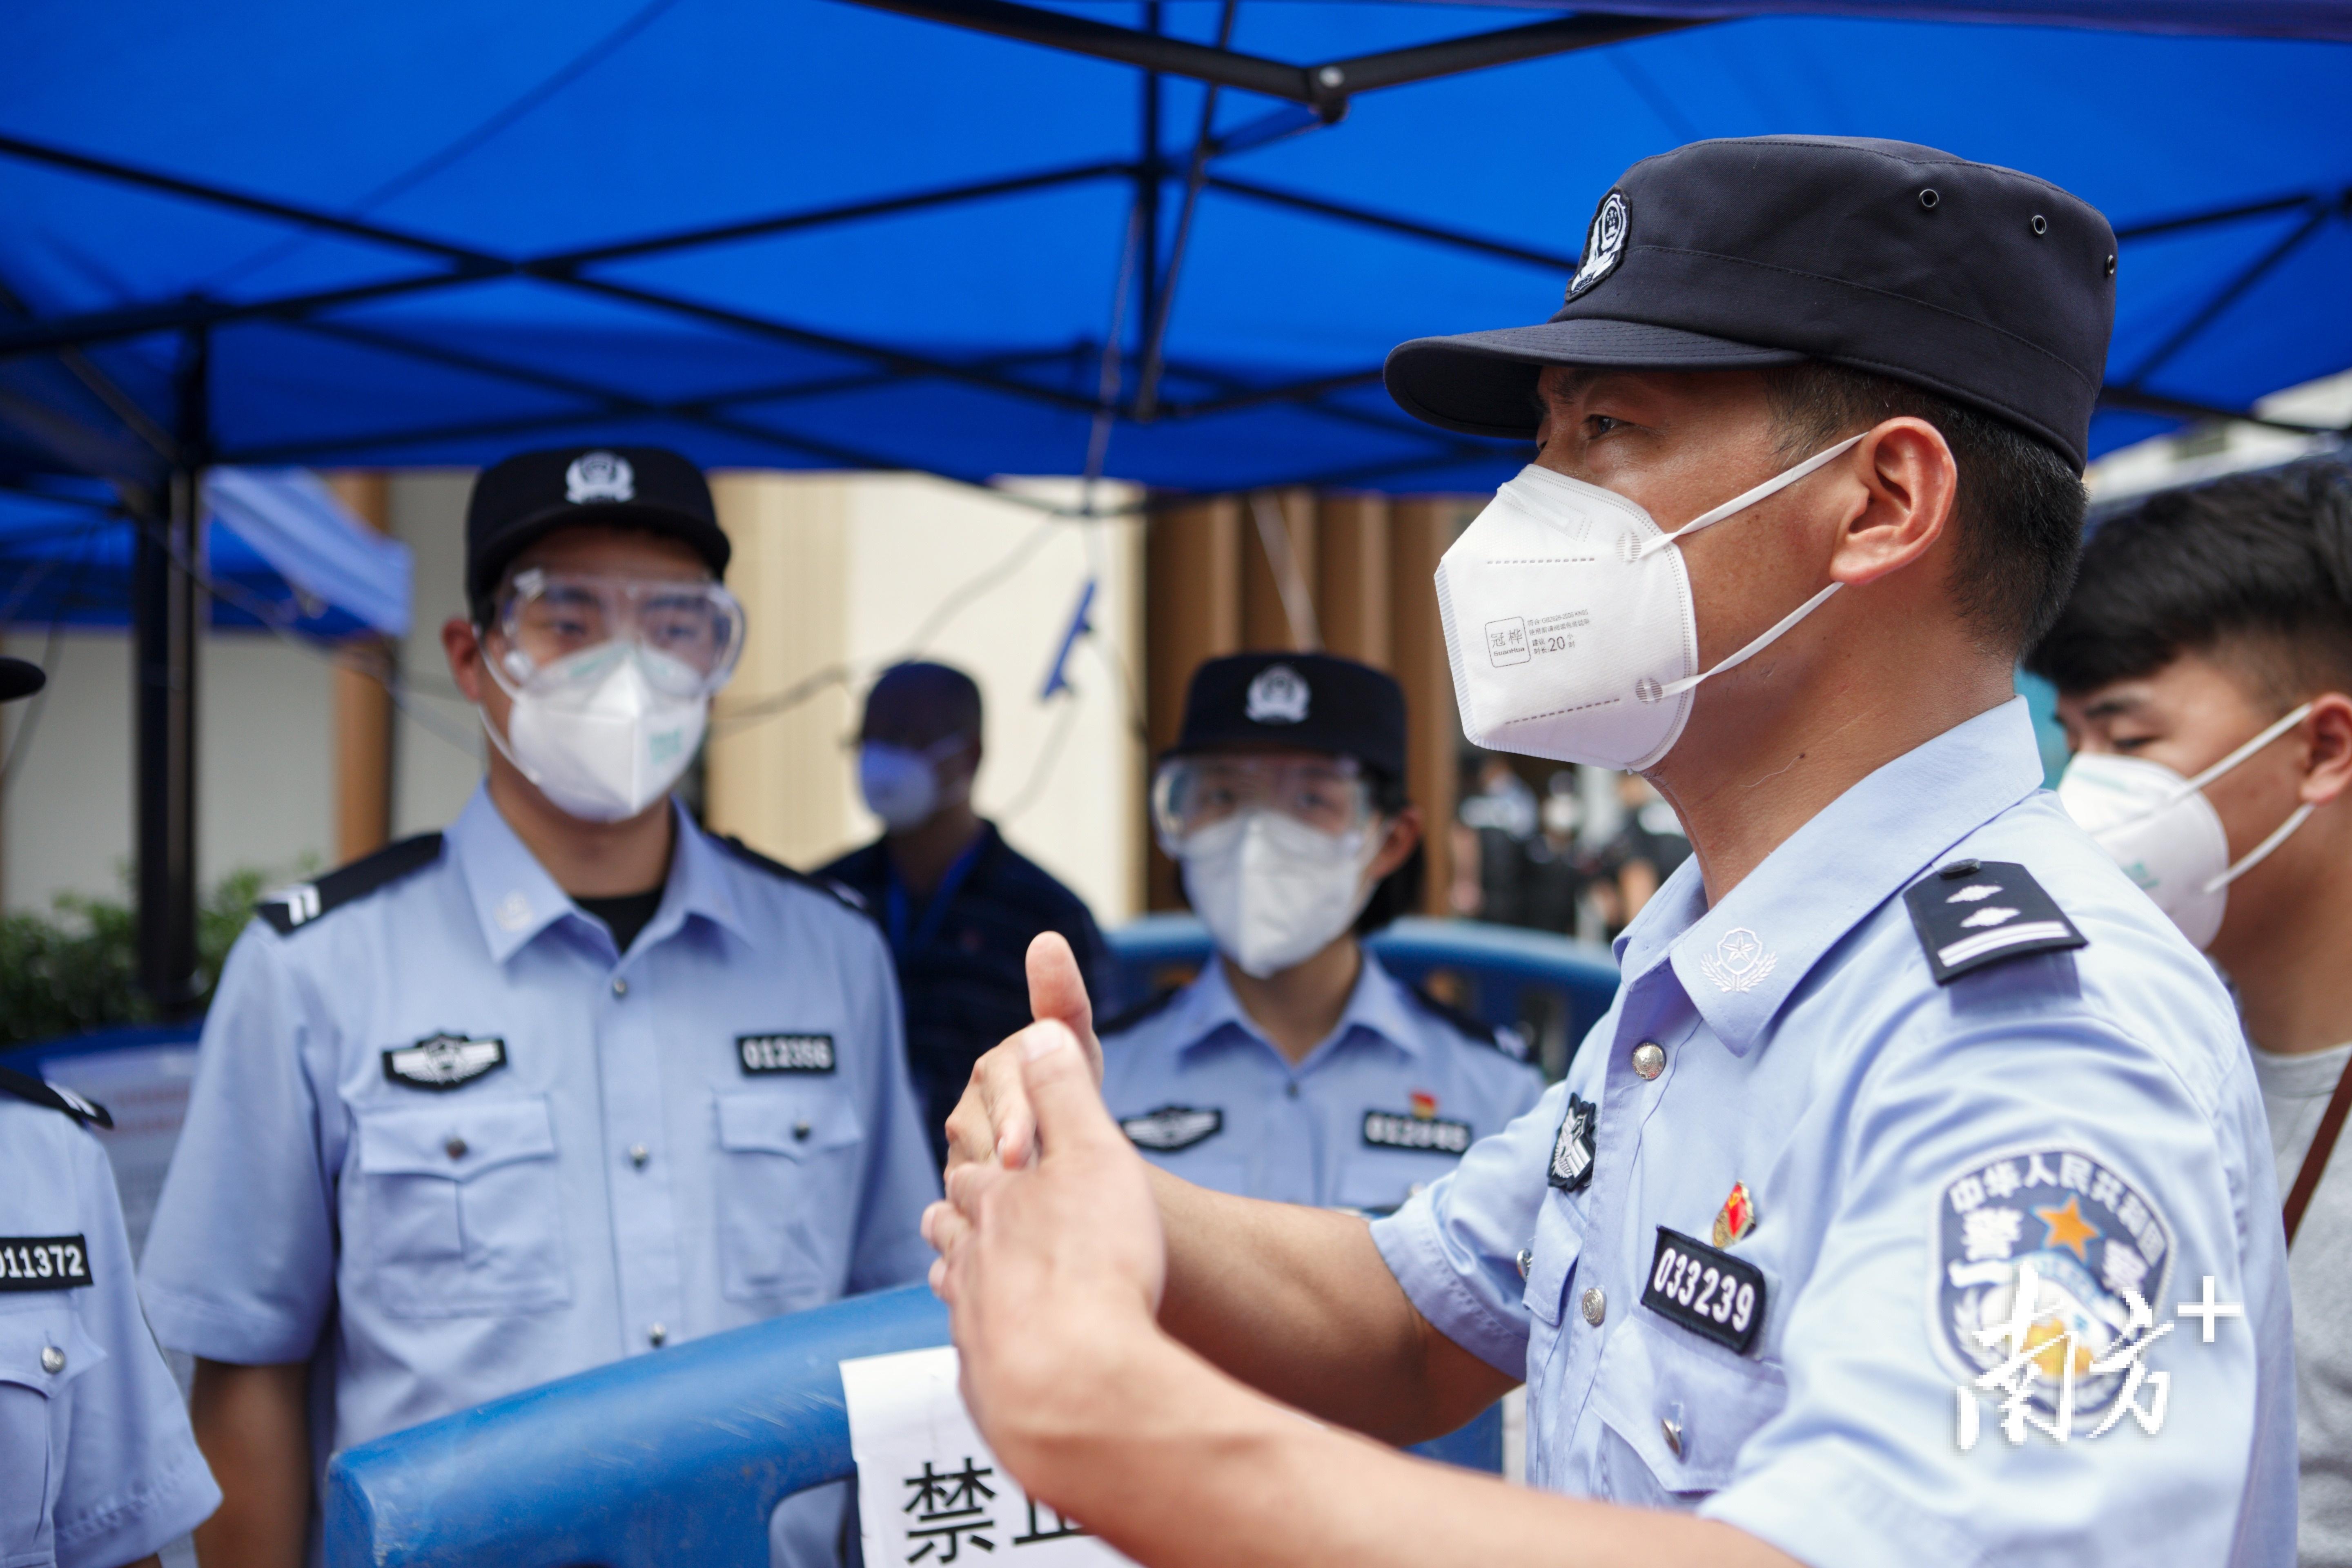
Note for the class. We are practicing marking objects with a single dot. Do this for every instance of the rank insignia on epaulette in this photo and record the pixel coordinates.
(1972, 913)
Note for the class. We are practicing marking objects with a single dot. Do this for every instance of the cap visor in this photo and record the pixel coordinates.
(1484, 384)
(20, 679)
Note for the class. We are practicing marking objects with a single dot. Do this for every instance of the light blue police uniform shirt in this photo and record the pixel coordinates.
(98, 1466)
(1203, 1094)
(1907, 1146)
(711, 1130)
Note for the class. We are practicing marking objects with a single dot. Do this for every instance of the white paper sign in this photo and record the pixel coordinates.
(929, 1490)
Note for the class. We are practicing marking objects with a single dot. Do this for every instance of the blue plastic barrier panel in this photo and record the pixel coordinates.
(929, 1489)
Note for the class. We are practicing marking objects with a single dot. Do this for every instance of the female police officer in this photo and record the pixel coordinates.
(1296, 1068)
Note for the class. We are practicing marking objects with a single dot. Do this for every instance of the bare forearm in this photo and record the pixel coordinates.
(1189, 1468)
(253, 1424)
(1298, 1302)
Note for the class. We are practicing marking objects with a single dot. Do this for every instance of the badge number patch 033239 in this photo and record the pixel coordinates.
(1706, 1290)
(2093, 1242)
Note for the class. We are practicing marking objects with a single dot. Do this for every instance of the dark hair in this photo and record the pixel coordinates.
(1399, 892)
(2019, 506)
(942, 689)
(2261, 563)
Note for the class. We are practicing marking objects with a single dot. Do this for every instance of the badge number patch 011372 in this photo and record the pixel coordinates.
(43, 1262)
(2095, 1245)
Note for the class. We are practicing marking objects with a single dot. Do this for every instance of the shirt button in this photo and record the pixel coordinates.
(655, 1335)
(454, 1148)
(1526, 1260)
(800, 1131)
(1649, 1059)
(1595, 1305)
(1673, 1434)
(639, 1154)
(620, 987)
(1290, 1091)
(53, 1359)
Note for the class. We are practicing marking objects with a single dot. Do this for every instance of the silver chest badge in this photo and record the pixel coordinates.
(1740, 962)
(599, 477)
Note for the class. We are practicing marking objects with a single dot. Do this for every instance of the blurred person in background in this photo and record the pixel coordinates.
(959, 904)
(1558, 872)
(570, 1081)
(1295, 1068)
(1498, 817)
(98, 1466)
(2204, 673)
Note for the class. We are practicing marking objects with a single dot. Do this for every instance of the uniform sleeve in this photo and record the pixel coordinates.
(1455, 1246)
(133, 1478)
(900, 1178)
(240, 1260)
(1957, 1170)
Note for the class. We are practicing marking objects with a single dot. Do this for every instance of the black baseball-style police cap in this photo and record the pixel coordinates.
(1985, 286)
(532, 494)
(1297, 701)
(20, 677)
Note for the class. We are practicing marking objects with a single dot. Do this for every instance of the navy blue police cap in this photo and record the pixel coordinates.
(524, 497)
(1295, 701)
(1985, 286)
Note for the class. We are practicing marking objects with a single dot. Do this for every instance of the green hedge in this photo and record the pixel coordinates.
(77, 968)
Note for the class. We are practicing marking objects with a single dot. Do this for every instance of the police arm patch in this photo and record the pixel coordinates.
(1174, 1127)
(2094, 1244)
(1972, 913)
(444, 1062)
(44, 1263)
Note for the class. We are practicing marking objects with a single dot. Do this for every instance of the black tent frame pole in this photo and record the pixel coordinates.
(165, 620)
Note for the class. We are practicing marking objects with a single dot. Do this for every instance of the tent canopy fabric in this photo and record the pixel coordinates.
(810, 233)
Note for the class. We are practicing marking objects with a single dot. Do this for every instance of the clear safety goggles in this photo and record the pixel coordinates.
(546, 620)
(1330, 794)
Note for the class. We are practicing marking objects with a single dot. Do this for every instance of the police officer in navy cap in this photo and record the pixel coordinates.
(1912, 1202)
(98, 1467)
(569, 1081)
(1295, 1068)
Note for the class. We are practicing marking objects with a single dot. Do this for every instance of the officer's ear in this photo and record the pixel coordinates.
(1404, 837)
(2327, 765)
(461, 641)
(1900, 485)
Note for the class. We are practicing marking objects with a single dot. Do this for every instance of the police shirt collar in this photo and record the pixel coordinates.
(1739, 960)
(515, 899)
(1378, 1004)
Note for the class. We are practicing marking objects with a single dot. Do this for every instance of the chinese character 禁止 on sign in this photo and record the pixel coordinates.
(929, 1491)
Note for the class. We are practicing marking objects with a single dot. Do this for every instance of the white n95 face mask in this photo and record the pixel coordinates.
(604, 732)
(2164, 833)
(1569, 621)
(1272, 890)
(902, 786)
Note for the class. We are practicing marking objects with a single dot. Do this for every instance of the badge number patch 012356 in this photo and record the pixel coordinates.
(2094, 1243)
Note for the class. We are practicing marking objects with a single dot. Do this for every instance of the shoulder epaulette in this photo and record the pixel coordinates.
(25, 1085)
(1470, 1026)
(839, 892)
(1120, 1023)
(290, 908)
(1972, 913)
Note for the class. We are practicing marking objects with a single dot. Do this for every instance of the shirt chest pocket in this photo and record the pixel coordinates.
(791, 1164)
(459, 1208)
(1675, 1413)
(34, 1424)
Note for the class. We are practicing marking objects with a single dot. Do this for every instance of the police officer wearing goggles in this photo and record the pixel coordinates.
(98, 1467)
(1917, 1140)
(570, 1082)
(1295, 1068)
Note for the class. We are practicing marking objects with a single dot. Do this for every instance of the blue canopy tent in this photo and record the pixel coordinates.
(1167, 241)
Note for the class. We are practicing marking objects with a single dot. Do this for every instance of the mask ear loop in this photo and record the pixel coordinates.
(1736, 504)
(2295, 818)
(2261, 852)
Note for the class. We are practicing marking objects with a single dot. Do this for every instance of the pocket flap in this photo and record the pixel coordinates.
(786, 1121)
(25, 1333)
(1649, 1376)
(457, 1141)
(1557, 1243)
